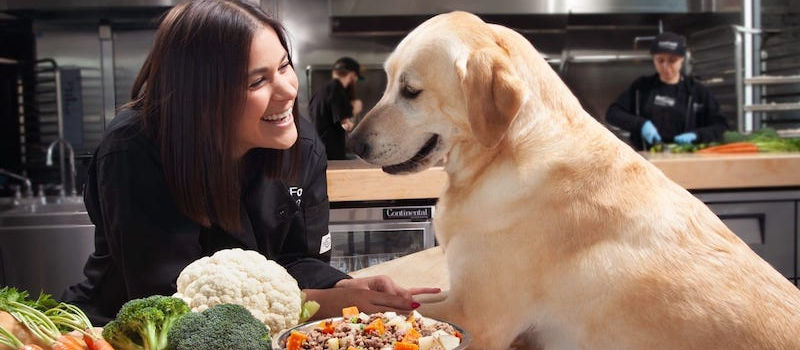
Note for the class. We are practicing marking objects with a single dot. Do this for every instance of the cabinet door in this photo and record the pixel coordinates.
(767, 227)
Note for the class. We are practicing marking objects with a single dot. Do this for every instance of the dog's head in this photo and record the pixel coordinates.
(450, 81)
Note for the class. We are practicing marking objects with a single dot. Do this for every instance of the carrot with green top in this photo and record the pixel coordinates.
(42, 327)
(8, 339)
(73, 318)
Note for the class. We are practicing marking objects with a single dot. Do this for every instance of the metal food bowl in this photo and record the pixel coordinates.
(279, 342)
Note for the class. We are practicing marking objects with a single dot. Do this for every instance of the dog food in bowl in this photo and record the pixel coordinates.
(379, 331)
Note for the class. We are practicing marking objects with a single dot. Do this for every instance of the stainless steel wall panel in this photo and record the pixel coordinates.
(82, 4)
(425, 7)
(130, 50)
(75, 45)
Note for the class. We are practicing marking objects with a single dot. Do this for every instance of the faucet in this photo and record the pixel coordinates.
(25, 180)
(73, 173)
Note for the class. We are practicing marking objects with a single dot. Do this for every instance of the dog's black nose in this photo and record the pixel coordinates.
(359, 147)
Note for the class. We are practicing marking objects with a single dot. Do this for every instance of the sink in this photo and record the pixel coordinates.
(58, 211)
(34, 209)
(44, 246)
(46, 258)
(43, 219)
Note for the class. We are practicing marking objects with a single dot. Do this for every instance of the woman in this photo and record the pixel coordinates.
(209, 155)
(667, 106)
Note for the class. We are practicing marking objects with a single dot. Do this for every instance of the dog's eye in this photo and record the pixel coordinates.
(409, 92)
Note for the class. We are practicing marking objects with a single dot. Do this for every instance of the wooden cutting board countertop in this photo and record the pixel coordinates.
(355, 180)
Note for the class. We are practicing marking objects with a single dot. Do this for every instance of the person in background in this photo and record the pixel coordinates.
(210, 154)
(334, 105)
(667, 106)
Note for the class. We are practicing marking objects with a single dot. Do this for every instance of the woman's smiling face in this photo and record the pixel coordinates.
(271, 91)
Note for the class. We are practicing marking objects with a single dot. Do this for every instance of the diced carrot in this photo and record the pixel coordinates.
(411, 336)
(376, 326)
(405, 346)
(295, 340)
(326, 327)
(350, 312)
(458, 334)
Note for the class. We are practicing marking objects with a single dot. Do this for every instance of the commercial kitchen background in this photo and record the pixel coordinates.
(96, 47)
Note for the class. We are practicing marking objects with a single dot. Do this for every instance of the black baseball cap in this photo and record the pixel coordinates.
(668, 42)
(348, 64)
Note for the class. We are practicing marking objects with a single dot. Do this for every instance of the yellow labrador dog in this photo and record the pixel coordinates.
(551, 226)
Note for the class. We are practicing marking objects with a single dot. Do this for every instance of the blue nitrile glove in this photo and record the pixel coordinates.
(650, 133)
(685, 138)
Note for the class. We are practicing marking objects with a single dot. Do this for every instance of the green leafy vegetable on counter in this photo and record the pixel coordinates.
(677, 148)
(766, 139)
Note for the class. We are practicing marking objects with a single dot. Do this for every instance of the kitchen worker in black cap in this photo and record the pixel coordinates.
(667, 106)
(334, 105)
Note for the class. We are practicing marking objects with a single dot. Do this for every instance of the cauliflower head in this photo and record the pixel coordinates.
(243, 277)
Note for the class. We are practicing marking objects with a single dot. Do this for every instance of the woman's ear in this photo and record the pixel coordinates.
(493, 92)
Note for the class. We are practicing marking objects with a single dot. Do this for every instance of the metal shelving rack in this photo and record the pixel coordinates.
(40, 119)
(756, 100)
(777, 101)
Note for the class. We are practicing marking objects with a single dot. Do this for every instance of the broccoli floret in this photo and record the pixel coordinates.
(224, 326)
(142, 324)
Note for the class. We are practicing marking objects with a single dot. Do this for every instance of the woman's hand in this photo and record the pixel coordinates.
(383, 284)
(369, 294)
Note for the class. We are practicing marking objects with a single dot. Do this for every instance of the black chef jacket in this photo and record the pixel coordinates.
(328, 107)
(142, 241)
(674, 109)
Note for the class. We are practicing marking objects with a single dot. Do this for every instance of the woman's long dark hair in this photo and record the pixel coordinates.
(190, 92)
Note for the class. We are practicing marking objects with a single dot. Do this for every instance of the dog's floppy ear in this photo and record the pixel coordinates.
(494, 94)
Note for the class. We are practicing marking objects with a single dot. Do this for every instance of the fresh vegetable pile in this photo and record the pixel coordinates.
(763, 140)
(165, 323)
(235, 297)
(384, 331)
(45, 323)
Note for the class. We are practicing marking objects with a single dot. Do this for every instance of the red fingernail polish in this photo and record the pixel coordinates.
(414, 305)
